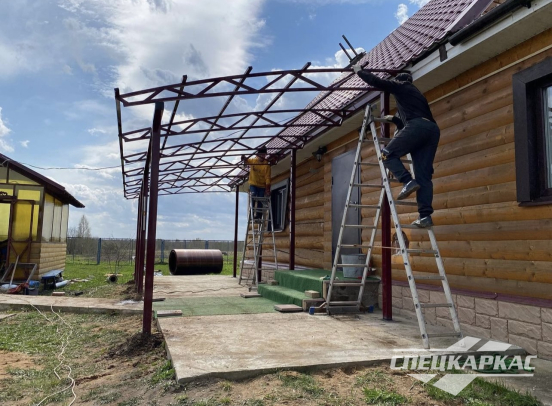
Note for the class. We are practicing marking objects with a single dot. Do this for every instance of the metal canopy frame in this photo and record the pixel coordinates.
(201, 155)
(210, 163)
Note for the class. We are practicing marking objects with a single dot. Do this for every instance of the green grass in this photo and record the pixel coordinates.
(302, 382)
(383, 397)
(482, 392)
(98, 286)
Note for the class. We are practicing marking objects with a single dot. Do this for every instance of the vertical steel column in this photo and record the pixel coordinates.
(236, 232)
(138, 240)
(292, 193)
(155, 143)
(386, 279)
(144, 215)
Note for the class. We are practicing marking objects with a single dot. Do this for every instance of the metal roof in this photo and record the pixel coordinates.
(208, 162)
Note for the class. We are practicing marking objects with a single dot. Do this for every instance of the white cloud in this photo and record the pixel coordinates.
(95, 131)
(419, 3)
(402, 13)
(24, 144)
(5, 145)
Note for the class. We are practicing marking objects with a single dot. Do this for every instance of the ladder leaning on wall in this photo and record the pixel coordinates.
(259, 229)
(385, 186)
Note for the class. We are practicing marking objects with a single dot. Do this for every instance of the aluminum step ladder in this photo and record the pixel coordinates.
(385, 186)
(259, 226)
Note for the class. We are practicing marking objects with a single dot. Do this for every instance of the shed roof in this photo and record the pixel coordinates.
(54, 188)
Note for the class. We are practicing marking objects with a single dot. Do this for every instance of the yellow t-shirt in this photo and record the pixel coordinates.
(259, 175)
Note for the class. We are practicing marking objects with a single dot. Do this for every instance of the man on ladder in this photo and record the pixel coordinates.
(259, 220)
(419, 137)
(259, 175)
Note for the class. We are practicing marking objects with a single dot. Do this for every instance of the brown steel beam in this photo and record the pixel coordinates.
(152, 217)
(292, 195)
(234, 273)
(138, 235)
(386, 279)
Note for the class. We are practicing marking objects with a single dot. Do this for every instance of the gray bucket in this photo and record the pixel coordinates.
(353, 271)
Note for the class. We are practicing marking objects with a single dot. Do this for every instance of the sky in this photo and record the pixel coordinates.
(61, 59)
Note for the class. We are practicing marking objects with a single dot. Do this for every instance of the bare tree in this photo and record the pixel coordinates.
(83, 229)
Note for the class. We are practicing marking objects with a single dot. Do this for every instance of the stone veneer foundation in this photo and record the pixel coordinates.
(485, 316)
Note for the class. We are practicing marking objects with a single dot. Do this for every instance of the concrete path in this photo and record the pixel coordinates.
(70, 304)
(196, 286)
(238, 346)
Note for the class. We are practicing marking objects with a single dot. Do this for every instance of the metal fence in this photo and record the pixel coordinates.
(122, 250)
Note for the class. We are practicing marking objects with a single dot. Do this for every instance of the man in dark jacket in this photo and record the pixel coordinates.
(419, 137)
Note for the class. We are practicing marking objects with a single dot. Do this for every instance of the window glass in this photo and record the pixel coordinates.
(29, 193)
(3, 174)
(64, 222)
(4, 221)
(548, 134)
(56, 226)
(6, 189)
(22, 221)
(16, 177)
(279, 198)
(48, 217)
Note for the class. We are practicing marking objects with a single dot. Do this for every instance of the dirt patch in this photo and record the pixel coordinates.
(137, 345)
(15, 360)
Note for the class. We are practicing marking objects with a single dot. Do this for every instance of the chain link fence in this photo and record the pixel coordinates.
(119, 251)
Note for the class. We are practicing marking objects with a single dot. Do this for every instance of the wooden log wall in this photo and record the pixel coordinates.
(487, 241)
(309, 217)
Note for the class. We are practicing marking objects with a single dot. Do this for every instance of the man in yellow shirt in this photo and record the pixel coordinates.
(259, 175)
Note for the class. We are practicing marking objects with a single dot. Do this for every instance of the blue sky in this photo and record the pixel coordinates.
(61, 59)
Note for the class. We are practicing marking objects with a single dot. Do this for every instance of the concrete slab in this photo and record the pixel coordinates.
(288, 308)
(249, 295)
(238, 346)
(70, 304)
(197, 285)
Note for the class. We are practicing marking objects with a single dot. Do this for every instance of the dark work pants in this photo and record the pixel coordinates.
(419, 138)
(257, 191)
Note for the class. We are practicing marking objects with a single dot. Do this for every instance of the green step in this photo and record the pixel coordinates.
(281, 294)
(302, 280)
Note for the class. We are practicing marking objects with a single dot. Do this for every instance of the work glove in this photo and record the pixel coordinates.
(357, 67)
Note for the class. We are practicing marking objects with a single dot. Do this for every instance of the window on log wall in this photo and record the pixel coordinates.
(279, 199)
(532, 89)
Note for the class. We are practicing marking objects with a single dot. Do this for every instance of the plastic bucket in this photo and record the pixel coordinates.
(353, 271)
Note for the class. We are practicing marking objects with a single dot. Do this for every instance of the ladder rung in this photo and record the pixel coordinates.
(367, 185)
(347, 284)
(393, 180)
(444, 335)
(413, 227)
(357, 226)
(355, 265)
(365, 206)
(406, 161)
(384, 140)
(355, 246)
(344, 303)
(429, 278)
(405, 203)
(421, 251)
(433, 305)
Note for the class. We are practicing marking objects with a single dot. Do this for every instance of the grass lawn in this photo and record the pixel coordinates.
(110, 363)
(96, 284)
